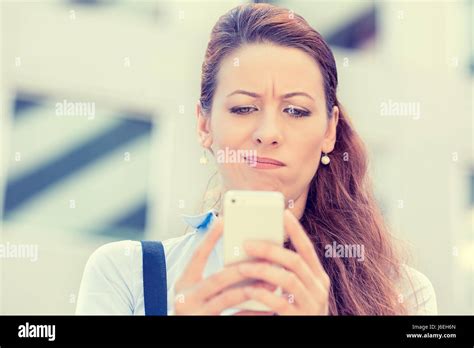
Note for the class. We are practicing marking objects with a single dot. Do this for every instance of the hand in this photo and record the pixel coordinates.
(302, 278)
(246, 312)
(264, 285)
(195, 295)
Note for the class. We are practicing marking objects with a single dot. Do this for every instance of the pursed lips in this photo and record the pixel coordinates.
(264, 162)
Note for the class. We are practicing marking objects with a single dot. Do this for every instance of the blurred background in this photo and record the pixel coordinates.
(98, 142)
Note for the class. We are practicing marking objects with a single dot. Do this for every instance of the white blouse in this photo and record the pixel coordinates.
(112, 282)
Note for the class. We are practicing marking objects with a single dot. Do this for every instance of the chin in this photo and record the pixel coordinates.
(256, 184)
(263, 187)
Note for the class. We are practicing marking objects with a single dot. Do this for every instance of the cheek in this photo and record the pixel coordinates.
(308, 143)
(225, 133)
(226, 137)
(307, 151)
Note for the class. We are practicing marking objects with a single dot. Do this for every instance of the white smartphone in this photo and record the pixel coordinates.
(251, 215)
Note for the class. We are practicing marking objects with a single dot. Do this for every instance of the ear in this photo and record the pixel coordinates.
(330, 136)
(203, 127)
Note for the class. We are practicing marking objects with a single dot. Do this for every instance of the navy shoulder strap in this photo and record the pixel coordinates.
(154, 278)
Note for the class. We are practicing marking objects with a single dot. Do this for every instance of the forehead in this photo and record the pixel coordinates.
(268, 68)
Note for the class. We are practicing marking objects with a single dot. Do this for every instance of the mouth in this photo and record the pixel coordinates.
(264, 162)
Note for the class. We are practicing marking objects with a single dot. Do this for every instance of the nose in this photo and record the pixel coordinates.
(268, 130)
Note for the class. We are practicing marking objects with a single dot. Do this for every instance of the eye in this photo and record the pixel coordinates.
(242, 110)
(296, 112)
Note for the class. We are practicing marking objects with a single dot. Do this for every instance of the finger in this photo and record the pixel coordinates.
(193, 271)
(276, 303)
(268, 286)
(227, 299)
(303, 244)
(279, 277)
(284, 257)
(254, 313)
(217, 282)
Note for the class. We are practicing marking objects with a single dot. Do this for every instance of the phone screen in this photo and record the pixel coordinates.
(251, 215)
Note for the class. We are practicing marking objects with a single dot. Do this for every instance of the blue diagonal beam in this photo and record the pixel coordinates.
(355, 33)
(130, 224)
(22, 105)
(20, 190)
(135, 218)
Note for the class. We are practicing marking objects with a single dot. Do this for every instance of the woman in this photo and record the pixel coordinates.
(269, 85)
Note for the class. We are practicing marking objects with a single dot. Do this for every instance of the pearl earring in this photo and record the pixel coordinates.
(325, 159)
(203, 159)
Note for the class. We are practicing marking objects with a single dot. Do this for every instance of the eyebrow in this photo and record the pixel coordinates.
(284, 96)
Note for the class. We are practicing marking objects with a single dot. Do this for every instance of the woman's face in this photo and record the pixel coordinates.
(269, 100)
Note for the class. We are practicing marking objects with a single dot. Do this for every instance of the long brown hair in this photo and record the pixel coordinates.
(340, 205)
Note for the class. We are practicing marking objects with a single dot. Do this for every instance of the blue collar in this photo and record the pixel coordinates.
(200, 222)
